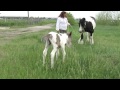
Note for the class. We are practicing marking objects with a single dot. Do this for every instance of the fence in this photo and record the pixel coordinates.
(22, 21)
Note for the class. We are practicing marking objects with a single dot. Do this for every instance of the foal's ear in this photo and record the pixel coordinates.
(69, 34)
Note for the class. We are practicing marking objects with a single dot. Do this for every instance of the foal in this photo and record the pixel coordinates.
(58, 40)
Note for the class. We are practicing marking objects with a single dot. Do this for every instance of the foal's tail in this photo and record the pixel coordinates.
(46, 38)
(43, 39)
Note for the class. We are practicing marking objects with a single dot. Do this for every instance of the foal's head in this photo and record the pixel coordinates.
(69, 40)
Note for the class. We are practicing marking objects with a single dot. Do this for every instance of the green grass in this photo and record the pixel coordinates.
(21, 58)
(24, 23)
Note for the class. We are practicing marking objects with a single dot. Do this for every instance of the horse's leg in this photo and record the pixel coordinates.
(64, 53)
(45, 51)
(91, 38)
(80, 41)
(88, 36)
(53, 55)
(92, 42)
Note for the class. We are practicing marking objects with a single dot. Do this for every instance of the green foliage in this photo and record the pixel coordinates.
(71, 19)
(108, 18)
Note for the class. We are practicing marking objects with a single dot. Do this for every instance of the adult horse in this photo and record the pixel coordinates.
(58, 40)
(87, 25)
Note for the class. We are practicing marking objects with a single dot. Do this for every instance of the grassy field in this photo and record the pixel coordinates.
(23, 23)
(21, 58)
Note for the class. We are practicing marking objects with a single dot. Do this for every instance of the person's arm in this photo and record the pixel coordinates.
(57, 25)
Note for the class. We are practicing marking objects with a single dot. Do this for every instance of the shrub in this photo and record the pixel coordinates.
(71, 19)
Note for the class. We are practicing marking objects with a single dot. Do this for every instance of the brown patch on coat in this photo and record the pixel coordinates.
(58, 40)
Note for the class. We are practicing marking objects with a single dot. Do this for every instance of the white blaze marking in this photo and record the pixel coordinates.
(80, 28)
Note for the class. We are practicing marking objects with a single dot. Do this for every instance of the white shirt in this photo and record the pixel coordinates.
(62, 23)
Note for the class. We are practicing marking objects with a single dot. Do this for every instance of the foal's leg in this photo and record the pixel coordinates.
(45, 52)
(52, 56)
(80, 41)
(57, 54)
(64, 53)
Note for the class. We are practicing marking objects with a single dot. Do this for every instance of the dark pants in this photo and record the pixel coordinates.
(63, 31)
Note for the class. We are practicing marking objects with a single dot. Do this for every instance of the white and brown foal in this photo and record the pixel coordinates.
(57, 40)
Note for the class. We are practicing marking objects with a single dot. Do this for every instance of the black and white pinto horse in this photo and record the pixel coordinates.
(87, 25)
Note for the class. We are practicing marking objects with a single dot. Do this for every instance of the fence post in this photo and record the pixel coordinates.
(28, 16)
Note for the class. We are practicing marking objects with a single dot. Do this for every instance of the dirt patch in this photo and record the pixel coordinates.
(7, 34)
(4, 28)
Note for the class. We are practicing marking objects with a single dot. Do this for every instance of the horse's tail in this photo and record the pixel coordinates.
(93, 18)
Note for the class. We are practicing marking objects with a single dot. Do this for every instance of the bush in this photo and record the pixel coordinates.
(71, 19)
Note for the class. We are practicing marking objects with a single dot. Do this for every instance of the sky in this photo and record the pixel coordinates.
(54, 14)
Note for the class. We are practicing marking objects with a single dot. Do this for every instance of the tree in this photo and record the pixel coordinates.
(108, 17)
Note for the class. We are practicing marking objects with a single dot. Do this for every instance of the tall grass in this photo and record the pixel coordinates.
(24, 22)
(22, 57)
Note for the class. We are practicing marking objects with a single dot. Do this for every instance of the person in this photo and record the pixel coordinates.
(62, 23)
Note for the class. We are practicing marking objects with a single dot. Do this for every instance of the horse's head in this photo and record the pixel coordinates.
(82, 24)
(69, 40)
